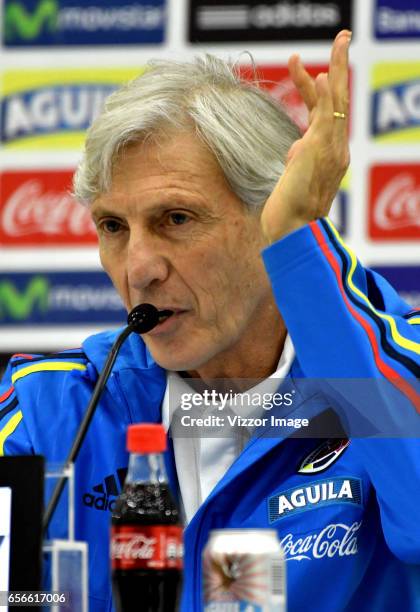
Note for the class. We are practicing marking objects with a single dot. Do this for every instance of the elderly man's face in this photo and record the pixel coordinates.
(172, 233)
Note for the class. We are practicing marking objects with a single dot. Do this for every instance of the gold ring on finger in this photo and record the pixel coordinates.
(338, 115)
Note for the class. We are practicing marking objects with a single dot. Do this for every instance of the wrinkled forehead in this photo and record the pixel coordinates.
(176, 170)
(168, 152)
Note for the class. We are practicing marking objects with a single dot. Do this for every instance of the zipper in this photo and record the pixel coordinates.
(114, 379)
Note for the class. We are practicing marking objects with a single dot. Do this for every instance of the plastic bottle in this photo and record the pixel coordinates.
(146, 533)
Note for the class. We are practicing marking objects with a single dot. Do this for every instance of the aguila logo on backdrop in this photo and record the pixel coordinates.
(394, 202)
(37, 209)
(51, 108)
(395, 108)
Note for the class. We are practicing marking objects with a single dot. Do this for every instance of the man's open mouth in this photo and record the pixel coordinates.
(166, 314)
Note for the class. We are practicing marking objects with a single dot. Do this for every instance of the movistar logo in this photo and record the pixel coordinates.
(46, 22)
(17, 304)
(19, 22)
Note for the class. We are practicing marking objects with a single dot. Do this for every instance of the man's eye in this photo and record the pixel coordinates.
(178, 218)
(110, 226)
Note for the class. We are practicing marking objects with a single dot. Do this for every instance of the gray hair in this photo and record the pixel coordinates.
(248, 132)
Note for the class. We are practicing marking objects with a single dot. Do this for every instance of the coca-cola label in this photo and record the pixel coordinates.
(394, 203)
(146, 547)
(37, 209)
(334, 540)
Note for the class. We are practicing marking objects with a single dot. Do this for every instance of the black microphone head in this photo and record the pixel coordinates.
(143, 318)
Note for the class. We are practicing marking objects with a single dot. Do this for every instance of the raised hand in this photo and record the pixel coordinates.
(317, 162)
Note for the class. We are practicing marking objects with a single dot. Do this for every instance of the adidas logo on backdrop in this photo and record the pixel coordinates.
(105, 493)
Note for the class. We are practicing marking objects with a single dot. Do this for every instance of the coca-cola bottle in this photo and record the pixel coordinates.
(146, 534)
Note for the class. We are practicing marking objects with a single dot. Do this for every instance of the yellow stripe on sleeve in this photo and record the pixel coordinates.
(9, 429)
(414, 321)
(47, 366)
(396, 336)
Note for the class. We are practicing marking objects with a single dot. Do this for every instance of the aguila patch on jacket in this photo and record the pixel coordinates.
(319, 493)
(323, 456)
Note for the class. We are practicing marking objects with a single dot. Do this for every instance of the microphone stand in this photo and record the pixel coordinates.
(141, 319)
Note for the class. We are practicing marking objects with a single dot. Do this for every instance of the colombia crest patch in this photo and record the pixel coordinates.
(323, 456)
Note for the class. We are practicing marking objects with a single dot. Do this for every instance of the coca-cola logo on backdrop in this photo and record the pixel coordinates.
(37, 209)
(394, 202)
(276, 79)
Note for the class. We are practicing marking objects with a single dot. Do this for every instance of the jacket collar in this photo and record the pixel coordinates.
(133, 354)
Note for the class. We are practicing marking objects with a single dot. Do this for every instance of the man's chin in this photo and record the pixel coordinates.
(177, 365)
(177, 362)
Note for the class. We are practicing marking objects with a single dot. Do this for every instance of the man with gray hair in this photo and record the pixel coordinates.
(210, 204)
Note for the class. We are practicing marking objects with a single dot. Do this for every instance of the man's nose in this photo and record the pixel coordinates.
(146, 262)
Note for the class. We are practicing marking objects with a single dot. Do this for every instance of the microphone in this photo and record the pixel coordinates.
(142, 319)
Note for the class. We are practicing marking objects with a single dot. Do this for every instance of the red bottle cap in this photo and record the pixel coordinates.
(146, 438)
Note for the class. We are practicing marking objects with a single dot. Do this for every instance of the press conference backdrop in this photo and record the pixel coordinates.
(60, 59)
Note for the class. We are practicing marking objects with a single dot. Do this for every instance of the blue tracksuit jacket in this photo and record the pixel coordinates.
(347, 513)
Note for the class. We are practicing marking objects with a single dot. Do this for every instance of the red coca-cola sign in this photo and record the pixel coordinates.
(394, 202)
(146, 546)
(37, 209)
(276, 79)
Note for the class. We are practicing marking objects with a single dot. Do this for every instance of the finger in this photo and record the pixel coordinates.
(325, 126)
(323, 116)
(303, 81)
(337, 126)
(338, 75)
(340, 126)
